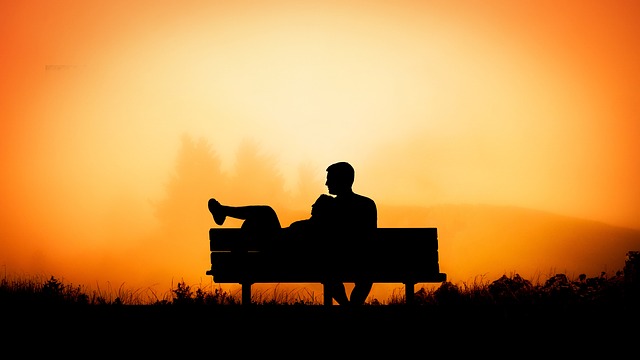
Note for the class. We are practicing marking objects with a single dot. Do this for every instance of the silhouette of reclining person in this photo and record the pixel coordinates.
(345, 216)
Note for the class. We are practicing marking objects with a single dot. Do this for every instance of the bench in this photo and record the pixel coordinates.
(395, 255)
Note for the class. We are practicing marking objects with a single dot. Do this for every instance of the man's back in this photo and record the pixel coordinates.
(355, 212)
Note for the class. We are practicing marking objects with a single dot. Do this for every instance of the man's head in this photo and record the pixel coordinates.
(340, 177)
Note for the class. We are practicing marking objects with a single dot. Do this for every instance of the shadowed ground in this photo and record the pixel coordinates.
(276, 328)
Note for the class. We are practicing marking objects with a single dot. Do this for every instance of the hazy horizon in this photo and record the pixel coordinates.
(157, 243)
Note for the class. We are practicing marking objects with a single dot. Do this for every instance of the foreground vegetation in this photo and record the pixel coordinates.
(621, 288)
(511, 315)
(507, 290)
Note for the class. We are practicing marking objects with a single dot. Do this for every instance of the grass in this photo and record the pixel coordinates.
(507, 290)
(621, 288)
(506, 312)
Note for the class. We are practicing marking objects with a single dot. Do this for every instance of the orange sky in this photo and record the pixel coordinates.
(524, 103)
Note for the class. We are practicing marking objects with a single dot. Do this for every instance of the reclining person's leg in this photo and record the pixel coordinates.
(257, 215)
(259, 220)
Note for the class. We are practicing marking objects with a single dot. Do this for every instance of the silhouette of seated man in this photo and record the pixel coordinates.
(345, 215)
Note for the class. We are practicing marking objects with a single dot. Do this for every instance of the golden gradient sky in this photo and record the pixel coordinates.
(527, 103)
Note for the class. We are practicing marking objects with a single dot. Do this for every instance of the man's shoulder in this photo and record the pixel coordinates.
(362, 196)
(365, 199)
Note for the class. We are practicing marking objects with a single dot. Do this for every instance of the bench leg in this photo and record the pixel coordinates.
(246, 294)
(408, 293)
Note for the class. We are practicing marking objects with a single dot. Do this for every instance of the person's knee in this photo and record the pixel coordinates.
(269, 216)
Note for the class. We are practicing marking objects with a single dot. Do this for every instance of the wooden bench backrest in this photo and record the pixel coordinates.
(418, 239)
(394, 255)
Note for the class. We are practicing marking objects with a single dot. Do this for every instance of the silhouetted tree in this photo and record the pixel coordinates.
(196, 177)
(256, 178)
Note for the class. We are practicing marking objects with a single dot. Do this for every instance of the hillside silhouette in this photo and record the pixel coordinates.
(489, 240)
